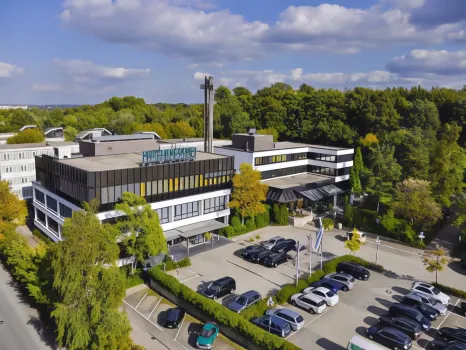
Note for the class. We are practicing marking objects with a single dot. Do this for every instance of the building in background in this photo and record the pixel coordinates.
(17, 163)
(189, 195)
(55, 134)
(318, 175)
(13, 107)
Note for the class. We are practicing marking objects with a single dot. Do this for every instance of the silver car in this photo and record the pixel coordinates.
(343, 278)
(437, 305)
(272, 242)
(295, 320)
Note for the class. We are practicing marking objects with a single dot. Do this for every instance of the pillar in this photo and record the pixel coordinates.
(187, 246)
(335, 200)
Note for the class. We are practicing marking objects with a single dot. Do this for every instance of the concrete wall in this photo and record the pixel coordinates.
(196, 312)
(254, 142)
(89, 149)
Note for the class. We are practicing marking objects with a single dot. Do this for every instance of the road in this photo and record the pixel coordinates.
(18, 322)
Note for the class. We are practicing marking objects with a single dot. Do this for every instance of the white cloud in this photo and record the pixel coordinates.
(7, 70)
(200, 76)
(184, 28)
(46, 87)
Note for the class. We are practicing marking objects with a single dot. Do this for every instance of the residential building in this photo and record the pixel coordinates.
(188, 189)
(17, 163)
(318, 175)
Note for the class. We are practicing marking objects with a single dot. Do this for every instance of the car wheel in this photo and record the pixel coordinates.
(370, 336)
(345, 289)
(311, 310)
(275, 265)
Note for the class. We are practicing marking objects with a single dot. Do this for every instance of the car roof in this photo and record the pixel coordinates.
(209, 326)
(404, 307)
(395, 331)
(312, 297)
(322, 289)
(423, 284)
(340, 274)
(407, 320)
(331, 282)
(414, 296)
(249, 293)
(275, 238)
(288, 312)
(224, 279)
(173, 313)
(275, 255)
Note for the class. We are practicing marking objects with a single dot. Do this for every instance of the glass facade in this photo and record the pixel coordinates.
(52, 204)
(215, 204)
(39, 196)
(186, 210)
(65, 211)
(305, 169)
(306, 155)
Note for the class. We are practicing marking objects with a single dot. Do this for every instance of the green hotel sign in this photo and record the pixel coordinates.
(169, 155)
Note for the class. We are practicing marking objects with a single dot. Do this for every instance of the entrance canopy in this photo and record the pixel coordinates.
(321, 192)
(194, 229)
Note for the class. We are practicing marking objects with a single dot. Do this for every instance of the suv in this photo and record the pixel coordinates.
(220, 288)
(275, 259)
(355, 270)
(285, 246)
(258, 257)
(295, 320)
(244, 300)
(309, 302)
(344, 278)
(437, 305)
(272, 242)
(397, 310)
(389, 337)
(248, 252)
(430, 291)
(404, 324)
(415, 301)
(449, 333)
(273, 325)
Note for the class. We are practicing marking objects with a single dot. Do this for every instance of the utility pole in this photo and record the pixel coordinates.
(208, 88)
(297, 263)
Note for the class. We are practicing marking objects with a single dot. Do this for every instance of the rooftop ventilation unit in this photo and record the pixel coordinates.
(252, 131)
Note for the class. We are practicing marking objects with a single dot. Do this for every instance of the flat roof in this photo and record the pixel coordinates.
(23, 145)
(296, 180)
(187, 140)
(288, 145)
(120, 161)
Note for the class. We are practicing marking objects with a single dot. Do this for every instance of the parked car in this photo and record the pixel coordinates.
(273, 325)
(285, 246)
(451, 345)
(390, 337)
(330, 298)
(463, 263)
(272, 242)
(430, 291)
(415, 301)
(437, 305)
(397, 310)
(358, 342)
(362, 236)
(275, 259)
(295, 320)
(449, 333)
(244, 300)
(344, 278)
(404, 324)
(355, 270)
(259, 257)
(209, 332)
(220, 288)
(463, 308)
(174, 317)
(332, 285)
(248, 252)
(309, 302)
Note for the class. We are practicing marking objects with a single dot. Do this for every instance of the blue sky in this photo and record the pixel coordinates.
(85, 51)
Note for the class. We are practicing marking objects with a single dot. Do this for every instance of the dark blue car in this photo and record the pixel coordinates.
(273, 325)
(390, 337)
(330, 284)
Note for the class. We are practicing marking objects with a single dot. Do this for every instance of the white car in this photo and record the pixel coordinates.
(309, 302)
(437, 305)
(428, 290)
(327, 295)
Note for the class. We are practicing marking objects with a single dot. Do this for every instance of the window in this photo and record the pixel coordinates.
(143, 189)
(53, 225)
(19, 155)
(181, 183)
(176, 185)
(192, 184)
(215, 204)
(170, 187)
(4, 156)
(40, 217)
(186, 210)
(164, 215)
(39, 196)
(24, 180)
(65, 211)
(52, 204)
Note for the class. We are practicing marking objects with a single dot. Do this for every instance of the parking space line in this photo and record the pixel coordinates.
(448, 314)
(307, 324)
(140, 301)
(179, 328)
(190, 278)
(140, 314)
(257, 273)
(154, 308)
(387, 246)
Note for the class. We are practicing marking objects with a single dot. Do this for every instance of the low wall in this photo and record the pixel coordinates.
(299, 222)
(191, 309)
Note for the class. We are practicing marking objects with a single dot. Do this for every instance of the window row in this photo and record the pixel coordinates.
(23, 155)
(12, 169)
(215, 204)
(164, 214)
(322, 157)
(280, 158)
(186, 210)
(284, 172)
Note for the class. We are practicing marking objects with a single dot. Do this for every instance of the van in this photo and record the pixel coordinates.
(362, 236)
(361, 343)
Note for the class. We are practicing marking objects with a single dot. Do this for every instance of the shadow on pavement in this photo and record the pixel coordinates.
(328, 344)
(193, 330)
(46, 335)
(455, 266)
(400, 290)
(384, 302)
(340, 238)
(362, 331)
(370, 321)
(397, 298)
(377, 310)
(422, 343)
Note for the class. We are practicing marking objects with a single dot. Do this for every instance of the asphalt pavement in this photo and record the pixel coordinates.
(20, 327)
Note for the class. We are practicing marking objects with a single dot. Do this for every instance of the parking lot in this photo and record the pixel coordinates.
(152, 308)
(357, 310)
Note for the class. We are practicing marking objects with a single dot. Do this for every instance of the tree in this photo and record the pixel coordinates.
(414, 201)
(353, 244)
(209, 235)
(248, 192)
(369, 140)
(12, 209)
(26, 136)
(89, 286)
(70, 133)
(140, 229)
(435, 261)
(269, 131)
(355, 182)
(181, 129)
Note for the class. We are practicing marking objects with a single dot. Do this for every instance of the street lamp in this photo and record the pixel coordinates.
(421, 236)
(377, 242)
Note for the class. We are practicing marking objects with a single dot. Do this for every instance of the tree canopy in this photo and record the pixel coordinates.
(26, 136)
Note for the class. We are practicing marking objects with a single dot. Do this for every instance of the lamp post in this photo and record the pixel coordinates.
(377, 242)
(421, 236)
(310, 254)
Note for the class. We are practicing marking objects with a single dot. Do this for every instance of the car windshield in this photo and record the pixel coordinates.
(418, 317)
(173, 315)
(320, 303)
(330, 294)
(299, 319)
(207, 333)
(214, 286)
(241, 300)
(435, 291)
(433, 301)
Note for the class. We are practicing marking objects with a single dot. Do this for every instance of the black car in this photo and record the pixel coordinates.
(220, 288)
(355, 270)
(174, 317)
(449, 333)
(258, 257)
(275, 259)
(248, 252)
(273, 324)
(404, 324)
(401, 310)
(424, 309)
(463, 263)
(285, 246)
(451, 345)
(390, 337)
(463, 308)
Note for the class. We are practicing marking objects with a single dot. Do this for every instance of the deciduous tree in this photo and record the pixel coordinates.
(26, 136)
(70, 133)
(353, 244)
(435, 261)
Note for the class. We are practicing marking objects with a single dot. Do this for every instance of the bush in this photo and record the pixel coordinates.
(257, 310)
(227, 232)
(26, 136)
(280, 214)
(250, 225)
(220, 313)
(348, 215)
(449, 290)
(235, 222)
(172, 265)
(135, 279)
(327, 223)
(263, 220)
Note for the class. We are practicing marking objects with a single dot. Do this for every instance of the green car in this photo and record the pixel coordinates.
(205, 340)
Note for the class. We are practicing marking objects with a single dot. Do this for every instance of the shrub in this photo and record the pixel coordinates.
(135, 279)
(240, 230)
(280, 214)
(257, 309)
(172, 265)
(220, 313)
(263, 220)
(327, 223)
(258, 237)
(235, 222)
(348, 215)
(227, 232)
(250, 225)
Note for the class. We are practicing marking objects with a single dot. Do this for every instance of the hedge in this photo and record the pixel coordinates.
(251, 224)
(220, 313)
(331, 265)
(284, 295)
(172, 265)
(449, 290)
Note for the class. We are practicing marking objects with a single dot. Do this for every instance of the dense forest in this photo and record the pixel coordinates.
(401, 133)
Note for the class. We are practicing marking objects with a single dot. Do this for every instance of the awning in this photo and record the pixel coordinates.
(194, 229)
(321, 192)
(281, 196)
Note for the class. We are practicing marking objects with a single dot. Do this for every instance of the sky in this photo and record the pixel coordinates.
(86, 51)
